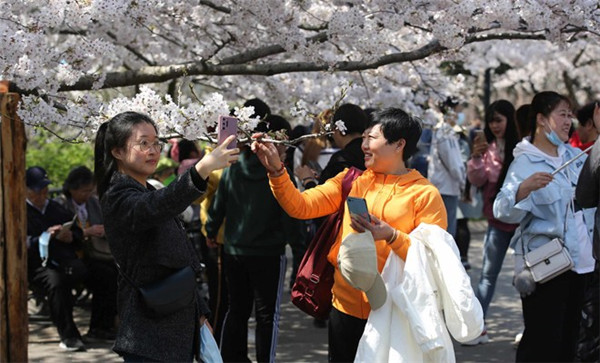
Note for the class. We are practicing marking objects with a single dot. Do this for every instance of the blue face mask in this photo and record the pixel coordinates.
(460, 118)
(553, 138)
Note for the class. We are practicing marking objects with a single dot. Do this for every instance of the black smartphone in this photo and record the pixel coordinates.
(358, 206)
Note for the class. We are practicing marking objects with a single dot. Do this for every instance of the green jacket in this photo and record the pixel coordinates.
(255, 223)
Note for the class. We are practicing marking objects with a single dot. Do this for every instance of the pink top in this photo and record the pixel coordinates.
(483, 173)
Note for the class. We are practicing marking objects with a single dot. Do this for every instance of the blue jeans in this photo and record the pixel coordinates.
(451, 204)
(494, 249)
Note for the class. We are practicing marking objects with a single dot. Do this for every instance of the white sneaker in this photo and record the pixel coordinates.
(482, 339)
(71, 345)
(518, 338)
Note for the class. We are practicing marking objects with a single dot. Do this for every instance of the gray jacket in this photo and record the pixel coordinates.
(92, 206)
(148, 242)
(588, 189)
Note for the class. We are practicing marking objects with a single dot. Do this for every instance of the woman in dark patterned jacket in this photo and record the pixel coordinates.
(146, 238)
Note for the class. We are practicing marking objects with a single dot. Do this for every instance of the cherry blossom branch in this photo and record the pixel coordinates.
(211, 138)
(154, 74)
(266, 51)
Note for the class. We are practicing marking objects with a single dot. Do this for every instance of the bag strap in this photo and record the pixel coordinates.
(195, 264)
(127, 278)
(570, 204)
(349, 178)
(325, 244)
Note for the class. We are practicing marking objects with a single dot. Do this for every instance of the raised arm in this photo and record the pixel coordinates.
(316, 202)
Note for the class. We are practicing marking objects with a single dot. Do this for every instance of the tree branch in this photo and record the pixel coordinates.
(216, 7)
(154, 74)
(267, 51)
(138, 54)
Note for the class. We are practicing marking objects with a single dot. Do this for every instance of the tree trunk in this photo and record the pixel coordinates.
(13, 234)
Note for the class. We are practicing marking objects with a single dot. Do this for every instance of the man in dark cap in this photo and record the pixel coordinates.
(53, 266)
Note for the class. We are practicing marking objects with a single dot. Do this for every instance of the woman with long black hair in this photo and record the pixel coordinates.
(486, 169)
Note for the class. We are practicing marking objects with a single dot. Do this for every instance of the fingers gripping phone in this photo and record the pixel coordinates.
(479, 135)
(358, 206)
(227, 126)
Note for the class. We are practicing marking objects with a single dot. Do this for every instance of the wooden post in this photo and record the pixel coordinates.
(13, 233)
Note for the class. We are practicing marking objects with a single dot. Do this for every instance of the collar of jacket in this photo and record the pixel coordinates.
(119, 177)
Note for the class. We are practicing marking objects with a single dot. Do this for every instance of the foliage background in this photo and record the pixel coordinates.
(56, 156)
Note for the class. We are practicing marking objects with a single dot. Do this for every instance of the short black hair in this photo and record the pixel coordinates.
(261, 109)
(277, 123)
(395, 125)
(355, 119)
(78, 177)
(186, 148)
(586, 114)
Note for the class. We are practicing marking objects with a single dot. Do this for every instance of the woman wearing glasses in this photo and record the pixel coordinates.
(147, 240)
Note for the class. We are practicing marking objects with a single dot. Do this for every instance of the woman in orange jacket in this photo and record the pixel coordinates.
(398, 199)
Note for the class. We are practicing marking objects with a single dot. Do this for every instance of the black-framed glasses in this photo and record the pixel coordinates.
(145, 145)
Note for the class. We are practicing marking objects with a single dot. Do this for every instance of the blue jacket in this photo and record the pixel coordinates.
(542, 214)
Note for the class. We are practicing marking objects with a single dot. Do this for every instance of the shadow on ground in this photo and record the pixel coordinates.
(300, 341)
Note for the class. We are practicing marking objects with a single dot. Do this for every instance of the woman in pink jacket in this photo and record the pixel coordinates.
(486, 169)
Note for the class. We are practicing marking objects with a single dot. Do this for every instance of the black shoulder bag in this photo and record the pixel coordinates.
(170, 294)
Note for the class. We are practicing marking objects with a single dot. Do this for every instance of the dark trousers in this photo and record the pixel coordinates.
(589, 331)
(309, 228)
(344, 335)
(102, 281)
(463, 238)
(252, 280)
(57, 284)
(552, 314)
(217, 288)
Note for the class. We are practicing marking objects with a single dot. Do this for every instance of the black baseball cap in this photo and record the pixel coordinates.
(36, 178)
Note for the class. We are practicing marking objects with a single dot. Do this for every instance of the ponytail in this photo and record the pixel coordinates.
(102, 162)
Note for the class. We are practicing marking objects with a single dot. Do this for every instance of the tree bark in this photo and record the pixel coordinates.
(13, 249)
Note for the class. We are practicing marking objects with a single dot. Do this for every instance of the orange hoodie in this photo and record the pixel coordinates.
(402, 201)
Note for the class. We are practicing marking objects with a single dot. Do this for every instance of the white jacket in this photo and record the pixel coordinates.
(410, 326)
(446, 169)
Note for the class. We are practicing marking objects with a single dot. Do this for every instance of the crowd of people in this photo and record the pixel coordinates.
(125, 228)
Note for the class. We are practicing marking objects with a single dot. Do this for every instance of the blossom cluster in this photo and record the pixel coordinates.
(53, 50)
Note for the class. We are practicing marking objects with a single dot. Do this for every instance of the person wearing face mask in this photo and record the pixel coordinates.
(446, 169)
(55, 270)
(544, 206)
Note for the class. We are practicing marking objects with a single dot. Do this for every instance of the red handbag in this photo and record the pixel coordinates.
(311, 292)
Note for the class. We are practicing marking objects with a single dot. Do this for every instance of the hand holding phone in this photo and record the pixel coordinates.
(480, 144)
(479, 135)
(358, 206)
(227, 125)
